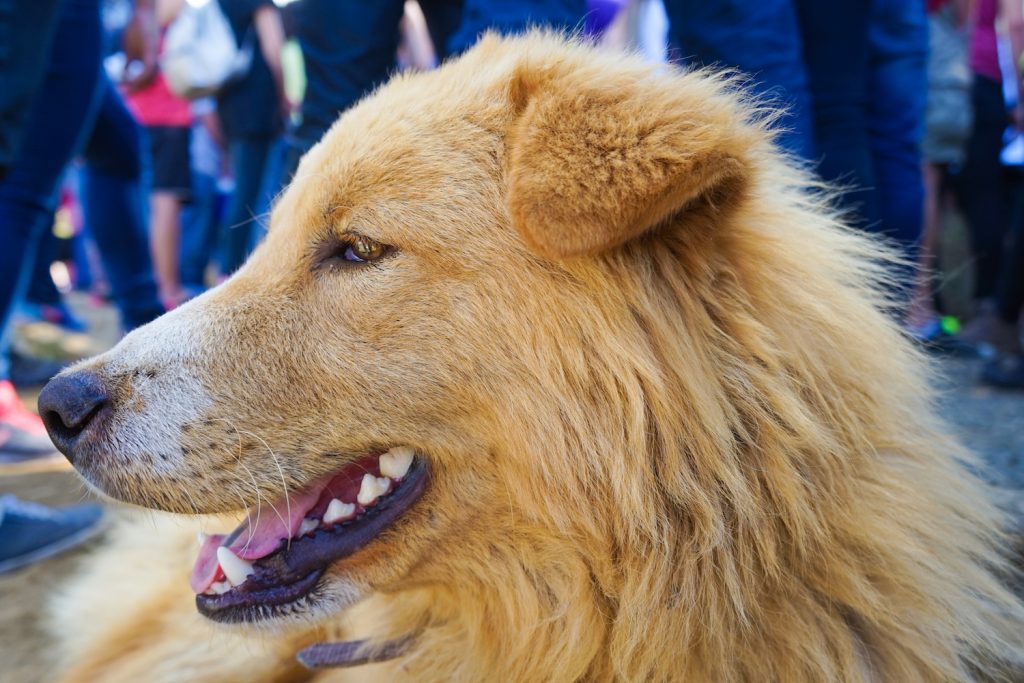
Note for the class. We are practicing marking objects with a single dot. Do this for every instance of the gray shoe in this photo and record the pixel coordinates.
(30, 532)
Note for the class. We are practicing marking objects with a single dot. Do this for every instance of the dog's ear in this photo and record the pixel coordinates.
(595, 160)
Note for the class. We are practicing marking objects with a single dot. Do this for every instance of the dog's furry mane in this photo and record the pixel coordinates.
(719, 457)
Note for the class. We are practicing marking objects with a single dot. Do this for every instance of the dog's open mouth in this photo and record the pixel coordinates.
(277, 556)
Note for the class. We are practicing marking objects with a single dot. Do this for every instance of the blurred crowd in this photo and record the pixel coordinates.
(142, 144)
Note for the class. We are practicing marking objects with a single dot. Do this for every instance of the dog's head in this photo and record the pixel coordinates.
(426, 355)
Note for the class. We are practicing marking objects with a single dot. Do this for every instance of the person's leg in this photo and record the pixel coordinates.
(41, 289)
(761, 38)
(442, 21)
(1010, 286)
(898, 85)
(248, 161)
(112, 203)
(835, 40)
(1007, 369)
(23, 60)
(199, 225)
(165, 245)
(200, 217)
(898, 88)
(171, 186)
(983, 193)
(61, 114)
(921, 315)
(1003, 325)
(43, 302)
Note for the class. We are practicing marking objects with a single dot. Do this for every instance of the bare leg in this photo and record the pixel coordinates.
(164, 243)
(922, 310)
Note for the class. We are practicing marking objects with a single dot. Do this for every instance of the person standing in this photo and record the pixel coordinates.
(167, 119)
(252, 112)
(985, 189)
(349, 47)
(761, 39)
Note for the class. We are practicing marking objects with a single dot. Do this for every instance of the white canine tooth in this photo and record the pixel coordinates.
(395, 463)
(338, 511)
(372, 488)
(235, 568)
(307, 526)
(201, 538)
(220, 587)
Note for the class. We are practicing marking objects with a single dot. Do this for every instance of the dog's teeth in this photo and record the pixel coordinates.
(201, 538)
(235, 568)
(367, 490)
(220, 587)
(307, 526)
(338, 511)
(372, 488)
(395, 463)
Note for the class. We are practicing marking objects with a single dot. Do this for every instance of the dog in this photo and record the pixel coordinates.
(551, 367)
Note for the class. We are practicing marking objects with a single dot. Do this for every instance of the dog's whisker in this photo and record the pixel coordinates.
(191, 500)
(284, 483)
(252, 480)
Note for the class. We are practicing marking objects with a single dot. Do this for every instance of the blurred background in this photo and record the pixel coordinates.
(142, 144)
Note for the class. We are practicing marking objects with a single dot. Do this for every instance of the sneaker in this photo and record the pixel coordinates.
(992, 336)
(55, 314)
(29, 371)
(30, 532)
(1005, 372)
(22, 434)
(935, 338)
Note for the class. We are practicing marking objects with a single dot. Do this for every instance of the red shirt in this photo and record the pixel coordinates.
(156, 105)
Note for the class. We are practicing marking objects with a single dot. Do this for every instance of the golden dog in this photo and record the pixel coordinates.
(550, 368)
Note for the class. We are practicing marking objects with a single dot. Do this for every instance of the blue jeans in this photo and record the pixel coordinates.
(836, 42)
(761, 38)
(76, 105)
(113, 204)
(257, 179)
(41, 288)
(897, 88)
(27, 28)
(199, 230)
(867, 63)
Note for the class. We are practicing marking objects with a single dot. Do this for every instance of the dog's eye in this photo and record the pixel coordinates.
(363, 250)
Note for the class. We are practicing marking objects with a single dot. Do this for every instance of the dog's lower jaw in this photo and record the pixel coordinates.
(331, 596)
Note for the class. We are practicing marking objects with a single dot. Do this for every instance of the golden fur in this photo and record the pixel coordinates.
(672, 434)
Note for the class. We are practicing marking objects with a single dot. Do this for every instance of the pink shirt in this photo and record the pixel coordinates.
(156, 105)
(984, 50)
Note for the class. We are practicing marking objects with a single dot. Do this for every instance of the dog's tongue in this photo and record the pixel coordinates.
(264, 530)
(204, 573)
(259, 535)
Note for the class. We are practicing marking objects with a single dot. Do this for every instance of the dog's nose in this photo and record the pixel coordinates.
(69, 404)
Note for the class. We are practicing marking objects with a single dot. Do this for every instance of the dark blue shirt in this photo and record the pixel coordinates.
(348, 49)
(248, 108)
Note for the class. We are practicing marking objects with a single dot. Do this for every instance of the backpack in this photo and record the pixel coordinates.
(200, 54)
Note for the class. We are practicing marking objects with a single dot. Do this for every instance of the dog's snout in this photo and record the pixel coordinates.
(69, 404)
